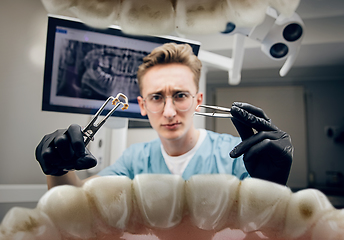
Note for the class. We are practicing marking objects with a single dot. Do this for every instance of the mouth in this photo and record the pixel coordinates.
(166, 207)
(171, 125)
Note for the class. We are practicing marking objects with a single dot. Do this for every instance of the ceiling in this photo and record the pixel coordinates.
(322, 45)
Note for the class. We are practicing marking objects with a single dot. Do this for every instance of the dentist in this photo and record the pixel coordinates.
(168, 80)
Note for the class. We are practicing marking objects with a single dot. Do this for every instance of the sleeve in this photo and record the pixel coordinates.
(122, 166)
(239, 168)
(234, 166)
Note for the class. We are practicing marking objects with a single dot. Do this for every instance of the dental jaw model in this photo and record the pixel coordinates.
(156, 206)
(167, 16)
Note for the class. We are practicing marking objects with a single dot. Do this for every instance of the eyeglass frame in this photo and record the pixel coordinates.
(164, 97)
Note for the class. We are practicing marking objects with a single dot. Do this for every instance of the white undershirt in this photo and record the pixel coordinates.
(178, 164)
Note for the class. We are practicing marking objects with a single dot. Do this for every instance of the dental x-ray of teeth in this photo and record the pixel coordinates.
(188, 183)
(93, 71)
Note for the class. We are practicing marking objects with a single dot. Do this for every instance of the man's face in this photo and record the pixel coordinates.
(167, 80)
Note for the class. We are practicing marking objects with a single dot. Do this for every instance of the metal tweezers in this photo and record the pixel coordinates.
(92, 127)
(227, 111)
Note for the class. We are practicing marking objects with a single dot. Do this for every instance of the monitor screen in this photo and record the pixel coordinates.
(85, 65)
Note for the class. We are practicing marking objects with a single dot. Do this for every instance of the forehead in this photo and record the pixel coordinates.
(168, 78)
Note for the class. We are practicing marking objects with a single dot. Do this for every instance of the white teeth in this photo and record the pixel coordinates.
(165, 16)
(115, 203)
(247, 13)
(27, 224)
(69, 209)
(262, 205)
(56, 6)
(147, 17)
(330, 226)
(285, 7)
(160, 199)
(113, 206)
(305, 207)
(201, 16)
(210, 198)
(98, 13)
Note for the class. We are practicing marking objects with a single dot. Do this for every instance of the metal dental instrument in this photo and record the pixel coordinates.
(227, 111)
(90, 130)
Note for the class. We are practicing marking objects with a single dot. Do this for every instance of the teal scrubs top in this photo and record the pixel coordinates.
(212, 157)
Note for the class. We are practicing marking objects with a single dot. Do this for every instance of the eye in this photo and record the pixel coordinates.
(181, 95)
(155, 98)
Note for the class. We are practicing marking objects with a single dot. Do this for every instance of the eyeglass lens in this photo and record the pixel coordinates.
(181, 100)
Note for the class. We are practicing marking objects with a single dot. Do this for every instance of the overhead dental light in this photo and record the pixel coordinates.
(280, 38)
(273, 23)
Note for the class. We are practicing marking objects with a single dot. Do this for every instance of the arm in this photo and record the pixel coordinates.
(69, 178)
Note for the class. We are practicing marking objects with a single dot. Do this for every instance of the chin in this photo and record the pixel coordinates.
(171, 135)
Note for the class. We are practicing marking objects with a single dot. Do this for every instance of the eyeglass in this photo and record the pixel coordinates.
(156, 102)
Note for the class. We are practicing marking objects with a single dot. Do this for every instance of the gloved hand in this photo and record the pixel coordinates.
(268, 153)
(64, 150)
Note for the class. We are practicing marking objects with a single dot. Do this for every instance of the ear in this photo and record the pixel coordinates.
(199, 100)
(142, 106)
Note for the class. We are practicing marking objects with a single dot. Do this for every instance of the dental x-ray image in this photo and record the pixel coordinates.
(95, 71)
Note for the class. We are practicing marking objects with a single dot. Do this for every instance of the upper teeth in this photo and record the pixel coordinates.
(305, 207)
(27, 224)
(114, 204)
(264, 203)
(166, 16)
(161, 203)
(210, 199)
(68, 202)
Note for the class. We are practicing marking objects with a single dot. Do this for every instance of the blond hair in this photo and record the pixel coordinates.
(171, 53)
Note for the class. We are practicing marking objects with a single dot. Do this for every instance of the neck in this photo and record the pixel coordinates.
(177, 147)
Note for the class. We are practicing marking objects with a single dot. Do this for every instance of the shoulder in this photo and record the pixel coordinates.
(143, 148)
(134, 160)
(222, 137)
(153, 143)
(220, 141)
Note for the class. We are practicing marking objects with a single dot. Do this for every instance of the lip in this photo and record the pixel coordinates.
(171, 126)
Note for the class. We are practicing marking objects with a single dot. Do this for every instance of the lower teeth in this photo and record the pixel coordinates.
(168, 207)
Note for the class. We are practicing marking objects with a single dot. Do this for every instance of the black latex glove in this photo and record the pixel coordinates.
(268, 153)
(64, 150)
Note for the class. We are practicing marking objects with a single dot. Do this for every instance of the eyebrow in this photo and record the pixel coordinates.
(173, 92)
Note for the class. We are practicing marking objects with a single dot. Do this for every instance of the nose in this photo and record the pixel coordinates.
(169, 108)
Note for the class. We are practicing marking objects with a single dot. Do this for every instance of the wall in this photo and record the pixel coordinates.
(284, 105)
(23, 32)
(23, 124)
(23, 25)
(323, 87)
(325, 109)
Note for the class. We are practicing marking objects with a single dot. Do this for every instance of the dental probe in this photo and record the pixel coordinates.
(92, 127)
(214, 113)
